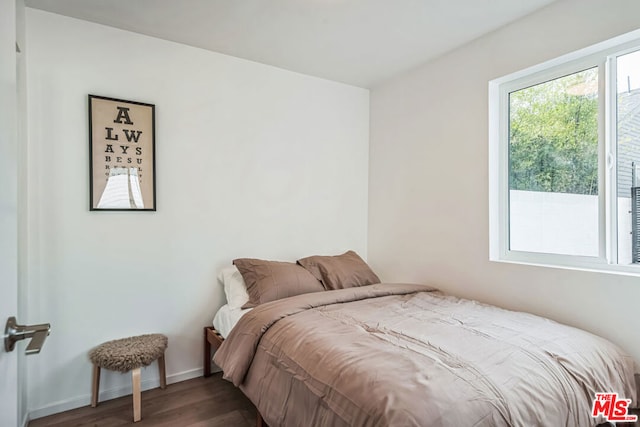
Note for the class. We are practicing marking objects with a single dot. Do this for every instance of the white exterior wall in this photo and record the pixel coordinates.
(556, 223)
(561, 223)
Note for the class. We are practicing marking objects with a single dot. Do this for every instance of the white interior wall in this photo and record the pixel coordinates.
(428, 186)
(252, 161)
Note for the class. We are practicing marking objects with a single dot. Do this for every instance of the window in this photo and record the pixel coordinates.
(565, 160)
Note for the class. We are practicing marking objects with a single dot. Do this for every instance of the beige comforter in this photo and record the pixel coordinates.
(407, 355)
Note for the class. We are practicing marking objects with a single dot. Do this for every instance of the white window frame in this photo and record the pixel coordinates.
(601, 55)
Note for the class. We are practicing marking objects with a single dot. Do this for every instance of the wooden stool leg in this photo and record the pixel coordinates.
(95, 386)
(135, 380)
(163, 373)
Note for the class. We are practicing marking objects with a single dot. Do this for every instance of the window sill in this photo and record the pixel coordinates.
(584, 264)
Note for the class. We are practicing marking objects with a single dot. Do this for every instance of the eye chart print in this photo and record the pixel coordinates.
(122, 154)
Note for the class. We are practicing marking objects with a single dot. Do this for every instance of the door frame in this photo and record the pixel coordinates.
(13, 408)
(9, 386)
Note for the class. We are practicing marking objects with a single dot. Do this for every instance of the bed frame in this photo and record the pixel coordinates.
(212, 341)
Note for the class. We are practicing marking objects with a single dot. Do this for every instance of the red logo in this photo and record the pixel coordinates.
(612, 408)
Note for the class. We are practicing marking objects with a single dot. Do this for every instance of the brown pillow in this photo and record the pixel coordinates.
(271, 280)
(341, 271)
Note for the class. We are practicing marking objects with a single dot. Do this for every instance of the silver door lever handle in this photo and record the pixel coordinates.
(14, 333)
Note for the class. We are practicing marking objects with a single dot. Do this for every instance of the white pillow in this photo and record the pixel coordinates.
(234, 287)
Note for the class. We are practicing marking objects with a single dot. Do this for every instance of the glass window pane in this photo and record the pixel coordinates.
(628, 155)
(553, 166)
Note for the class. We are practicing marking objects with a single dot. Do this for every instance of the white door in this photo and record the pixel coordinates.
(8, 209)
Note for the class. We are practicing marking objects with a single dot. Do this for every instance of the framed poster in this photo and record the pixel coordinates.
(122, 165)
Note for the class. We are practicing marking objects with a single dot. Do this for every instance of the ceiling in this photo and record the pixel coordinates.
(359, 42)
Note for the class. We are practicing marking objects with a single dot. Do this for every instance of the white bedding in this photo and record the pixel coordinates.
(226, 318)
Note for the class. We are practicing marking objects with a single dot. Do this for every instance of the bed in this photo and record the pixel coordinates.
(409, 355)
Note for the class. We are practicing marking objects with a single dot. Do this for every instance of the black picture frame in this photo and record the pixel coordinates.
(122, 155)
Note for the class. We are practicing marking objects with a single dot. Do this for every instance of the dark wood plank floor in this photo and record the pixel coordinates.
(198, 402)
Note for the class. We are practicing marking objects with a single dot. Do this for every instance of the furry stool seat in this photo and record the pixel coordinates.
(129, 354)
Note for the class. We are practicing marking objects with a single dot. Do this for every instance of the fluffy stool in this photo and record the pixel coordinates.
(129, 354)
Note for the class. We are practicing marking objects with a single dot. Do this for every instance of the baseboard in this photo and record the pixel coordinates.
(84, 400)
(25, 420)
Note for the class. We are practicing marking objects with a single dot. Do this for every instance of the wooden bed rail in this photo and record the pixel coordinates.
(212, 341)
